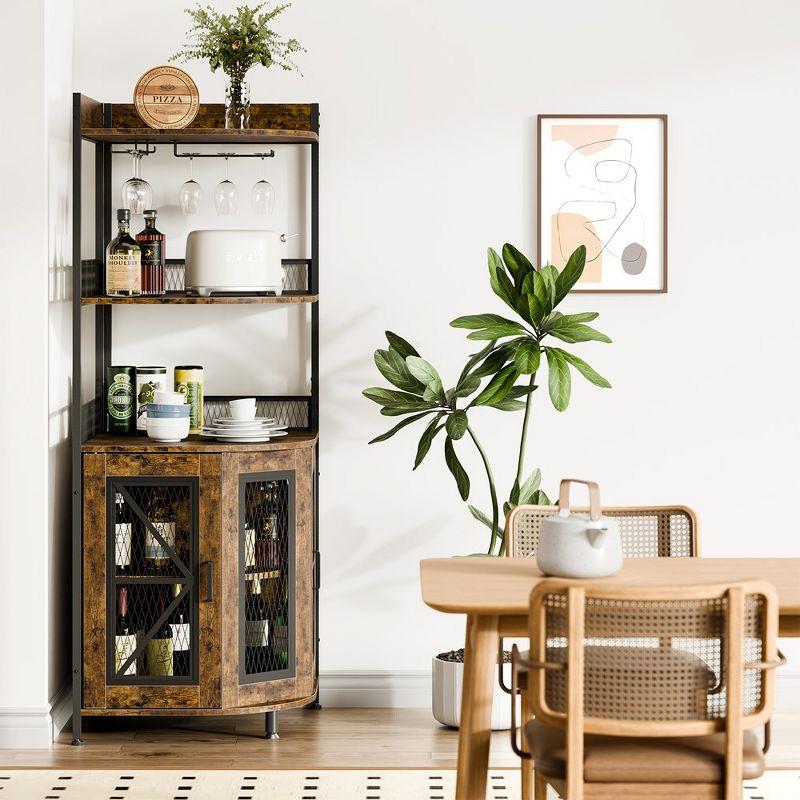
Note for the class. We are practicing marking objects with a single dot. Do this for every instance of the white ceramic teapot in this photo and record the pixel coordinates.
(579, 545)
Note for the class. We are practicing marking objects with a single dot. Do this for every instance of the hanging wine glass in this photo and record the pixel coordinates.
(262, 196)
(226, 195)
(190, 193)
(137, 195)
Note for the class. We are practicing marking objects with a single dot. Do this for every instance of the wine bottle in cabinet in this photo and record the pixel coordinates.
(124, 636)
(160, 646)
(256, 633)
(123, 535)
(162, 515)
(181, 641)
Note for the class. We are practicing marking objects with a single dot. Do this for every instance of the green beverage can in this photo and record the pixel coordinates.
(120, 399)
(189, 382)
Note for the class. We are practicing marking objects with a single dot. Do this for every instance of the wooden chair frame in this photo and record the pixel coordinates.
(576, 723)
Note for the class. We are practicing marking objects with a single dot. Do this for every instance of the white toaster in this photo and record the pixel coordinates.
(234, 261)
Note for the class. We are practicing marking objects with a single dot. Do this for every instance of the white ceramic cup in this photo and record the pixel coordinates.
(243, 408)
(165, 398)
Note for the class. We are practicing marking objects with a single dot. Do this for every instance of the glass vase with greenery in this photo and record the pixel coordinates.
(515, 352)
(237, 42)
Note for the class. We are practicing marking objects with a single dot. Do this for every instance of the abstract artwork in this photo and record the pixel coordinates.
(603, 184)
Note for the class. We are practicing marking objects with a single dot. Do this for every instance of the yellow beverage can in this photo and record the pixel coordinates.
(189, 382)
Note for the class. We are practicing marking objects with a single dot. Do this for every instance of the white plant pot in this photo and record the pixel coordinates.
(448, 679)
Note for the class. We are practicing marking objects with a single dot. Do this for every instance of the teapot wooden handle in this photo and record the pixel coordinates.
(594, 496)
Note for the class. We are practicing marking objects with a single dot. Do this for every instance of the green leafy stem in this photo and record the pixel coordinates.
(514, 350)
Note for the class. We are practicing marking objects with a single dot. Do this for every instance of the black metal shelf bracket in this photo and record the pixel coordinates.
(136, 151)
(267, 154)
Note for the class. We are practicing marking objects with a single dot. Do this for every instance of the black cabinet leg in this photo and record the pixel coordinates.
(76, 730)
(271, 725)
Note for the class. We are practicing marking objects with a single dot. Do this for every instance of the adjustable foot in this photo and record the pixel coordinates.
(271, 725)
(76, 742)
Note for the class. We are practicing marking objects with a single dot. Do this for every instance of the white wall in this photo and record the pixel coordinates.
(34, 319)
(428, 143)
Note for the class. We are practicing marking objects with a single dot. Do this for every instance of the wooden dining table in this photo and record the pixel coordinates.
(494, 593)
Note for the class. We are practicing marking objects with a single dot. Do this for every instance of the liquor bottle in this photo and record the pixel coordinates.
(279, 639)
(125, 636)
(153, 244)
(123, 260)
(162, 516)
(256, 631)
(122, 535)
(181, 642)
(160, 647)
(249, 530)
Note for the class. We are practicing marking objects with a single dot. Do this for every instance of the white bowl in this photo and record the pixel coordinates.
(165, 398)
(168, 429)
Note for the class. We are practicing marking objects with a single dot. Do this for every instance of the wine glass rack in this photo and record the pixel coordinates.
(195, 564)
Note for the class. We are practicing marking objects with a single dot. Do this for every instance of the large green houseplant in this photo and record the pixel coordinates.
(514, 354)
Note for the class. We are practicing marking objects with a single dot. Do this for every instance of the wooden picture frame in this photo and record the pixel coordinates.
(626, 270)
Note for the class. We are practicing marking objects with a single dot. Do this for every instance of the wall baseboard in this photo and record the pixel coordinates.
(37, 726)
(412, 689)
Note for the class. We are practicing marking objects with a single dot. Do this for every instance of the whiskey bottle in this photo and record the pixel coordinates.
(153, 245)
(123, 260)
(256, 631)
(125, 636)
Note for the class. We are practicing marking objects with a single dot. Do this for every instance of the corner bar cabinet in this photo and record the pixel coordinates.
(208, 551)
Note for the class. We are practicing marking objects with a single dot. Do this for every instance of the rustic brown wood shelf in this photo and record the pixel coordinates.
(109, 443)
(201, 135)
(181, 298)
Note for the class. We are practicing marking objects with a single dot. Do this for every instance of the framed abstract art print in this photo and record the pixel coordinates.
(602, 182)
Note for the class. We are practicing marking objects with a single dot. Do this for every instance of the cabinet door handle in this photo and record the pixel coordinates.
(208, 566)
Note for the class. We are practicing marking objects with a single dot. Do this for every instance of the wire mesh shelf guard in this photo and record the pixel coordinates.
(266, 576)
(152, 548)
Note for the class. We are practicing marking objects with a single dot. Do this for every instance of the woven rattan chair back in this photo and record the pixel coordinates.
(653, 657)
(647, 532)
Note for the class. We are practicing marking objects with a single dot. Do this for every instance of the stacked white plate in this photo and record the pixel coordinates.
(260, 429)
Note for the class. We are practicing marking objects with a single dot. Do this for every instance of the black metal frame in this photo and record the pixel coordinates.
(86, 418)
(291, 577)
(189, 579)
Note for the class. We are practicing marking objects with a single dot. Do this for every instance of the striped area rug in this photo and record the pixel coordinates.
(343, 784)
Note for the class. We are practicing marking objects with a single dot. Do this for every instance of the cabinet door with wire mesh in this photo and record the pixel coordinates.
(275, 651)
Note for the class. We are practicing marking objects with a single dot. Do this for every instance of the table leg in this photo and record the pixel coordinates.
(474, 733)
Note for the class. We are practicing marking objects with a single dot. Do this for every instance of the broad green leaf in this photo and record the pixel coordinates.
(387, 397)
(529, 487)
(426, 440)
(584, 369)
(467, 387)
(458, 472)
(392, 366)
(494, 362)
(508, 404)
(400, 345)
(499, 280)
(434, 393)
(425, 372)
(542, 293)
(578, 333)
(517, 264)
(586, 316)
(527, 357)
(498, 330)
(475, 322)
(550, 274)
(456, 424)
(498, 387)
(541, 499)
(480, 516)
(524, 309)
(535, 309)
(407, 408)
(392, 431)
(516, 392)
(571, 273)
(558, 381)
(514, 497)
(472, 361)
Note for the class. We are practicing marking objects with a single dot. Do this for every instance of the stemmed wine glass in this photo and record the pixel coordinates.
(137, 195)
(190, 193)
(226, 195)
(262, 196)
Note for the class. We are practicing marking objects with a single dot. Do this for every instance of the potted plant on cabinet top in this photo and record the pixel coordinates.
(515, 351)
(237, 42)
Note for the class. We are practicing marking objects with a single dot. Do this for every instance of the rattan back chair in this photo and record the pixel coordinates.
(646, 531)
(640, 692)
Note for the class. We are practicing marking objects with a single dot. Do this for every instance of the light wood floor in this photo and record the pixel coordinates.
(327, 738)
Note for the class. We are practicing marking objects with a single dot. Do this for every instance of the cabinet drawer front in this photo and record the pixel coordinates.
(145, 697)
(154, 464)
